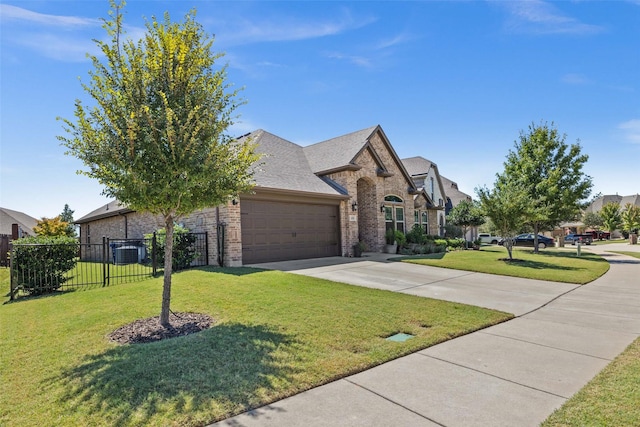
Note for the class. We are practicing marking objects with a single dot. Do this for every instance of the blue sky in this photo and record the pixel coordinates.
(451, 81)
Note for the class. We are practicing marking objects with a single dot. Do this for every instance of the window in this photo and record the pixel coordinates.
(394, 214)
(433, 187)
(424, 222)
(88, 235)
(400, 219)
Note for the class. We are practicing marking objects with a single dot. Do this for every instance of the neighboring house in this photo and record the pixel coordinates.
(427, 178)
(596, 206)
(10, 219)
(13, 225)
(308, 202)
(454, 197)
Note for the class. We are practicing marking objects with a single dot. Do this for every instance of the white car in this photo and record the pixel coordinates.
(489, 238)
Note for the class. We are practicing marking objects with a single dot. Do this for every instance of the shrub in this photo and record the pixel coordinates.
(390, 236)
(401, 239)
(416, 235)
(184, 251)
(39, 263)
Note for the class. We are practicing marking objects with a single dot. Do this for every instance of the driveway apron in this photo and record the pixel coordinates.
(512, 374)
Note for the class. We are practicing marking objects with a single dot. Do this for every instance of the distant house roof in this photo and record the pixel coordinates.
(598, 203)
(9, 217)
(452, 191)
(110, 209)
(633, 199)
(419, 167)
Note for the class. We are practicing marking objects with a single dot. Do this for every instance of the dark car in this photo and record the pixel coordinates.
(526, 239)
(584, 239)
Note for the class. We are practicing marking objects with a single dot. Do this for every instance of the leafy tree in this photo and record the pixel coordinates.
(67, 216)
(155, 137)
(51, 227)
(592, 220)
(506, 205)
(630, 218)
(466, 214)
(611, 218)
(550, 174)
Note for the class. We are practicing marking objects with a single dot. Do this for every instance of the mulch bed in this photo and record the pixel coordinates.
(150, 330)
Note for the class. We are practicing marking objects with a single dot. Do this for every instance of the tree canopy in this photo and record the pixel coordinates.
(611, 218)
(52, 227)
(156, 138)
(630, 218)
(506, 206)
(550, 174)
(592, 220)
(465, 214)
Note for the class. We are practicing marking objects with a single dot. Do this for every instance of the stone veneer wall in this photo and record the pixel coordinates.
(381, 187)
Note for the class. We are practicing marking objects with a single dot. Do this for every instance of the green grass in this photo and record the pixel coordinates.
(275, 334)
(610, 399)
(549, 264)
(633, 254)
(608, 242)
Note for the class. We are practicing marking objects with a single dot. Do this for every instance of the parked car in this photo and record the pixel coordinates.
(599, 234)
(526, 239)
(584, 239)
(488, 238)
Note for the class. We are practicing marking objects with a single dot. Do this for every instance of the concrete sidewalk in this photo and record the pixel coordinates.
(512, 374)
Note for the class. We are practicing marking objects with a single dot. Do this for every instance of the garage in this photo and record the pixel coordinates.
(279, 231)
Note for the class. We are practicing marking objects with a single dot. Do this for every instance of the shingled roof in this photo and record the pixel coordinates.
(24, 221)
(110, 209)
(452, 191)
(337, 152)
(284, 166)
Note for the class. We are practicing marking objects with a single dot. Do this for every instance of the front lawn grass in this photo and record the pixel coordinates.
(633, 254)
(275, 334)
(549, 264)
(610, 399)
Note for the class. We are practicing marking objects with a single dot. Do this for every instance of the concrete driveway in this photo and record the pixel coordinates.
(374, 270)
(513, 374)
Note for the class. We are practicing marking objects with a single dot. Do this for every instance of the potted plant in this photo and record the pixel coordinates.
(391, 247)
(358, 249)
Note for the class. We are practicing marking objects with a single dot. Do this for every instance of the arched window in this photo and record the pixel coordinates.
(393, 199)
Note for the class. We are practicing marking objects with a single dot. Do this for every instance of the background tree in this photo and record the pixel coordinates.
(51, 227)
(592, 220)
(611, 218)
(156, 136)
(67, 216)
(550, 174)
(630, 218)
(506, 206)
(465, 214)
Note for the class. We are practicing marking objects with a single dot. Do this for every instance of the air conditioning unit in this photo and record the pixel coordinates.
(126, 255)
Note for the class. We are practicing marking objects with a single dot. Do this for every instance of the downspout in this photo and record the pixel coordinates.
(220, 237)
(126, 225)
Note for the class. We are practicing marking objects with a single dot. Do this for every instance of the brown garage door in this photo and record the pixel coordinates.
(278, 231)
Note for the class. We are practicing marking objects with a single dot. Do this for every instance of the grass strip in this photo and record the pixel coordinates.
(610, 399)
(549, 264)
(276, 334)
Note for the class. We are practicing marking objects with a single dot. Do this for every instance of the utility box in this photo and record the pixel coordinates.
(126, 255)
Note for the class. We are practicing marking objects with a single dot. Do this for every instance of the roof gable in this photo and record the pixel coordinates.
(9, 217)
(339, 152)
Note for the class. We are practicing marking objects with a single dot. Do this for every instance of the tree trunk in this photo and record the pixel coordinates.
(535, 239)
(168, 267)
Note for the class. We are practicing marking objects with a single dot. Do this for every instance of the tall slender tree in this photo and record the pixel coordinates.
(67, 216)
(156, 136)
(465, 214)
(550, 172)
(611, 218)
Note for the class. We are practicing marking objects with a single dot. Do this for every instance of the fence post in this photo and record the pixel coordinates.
(206, 248)
(11, 272)
(154, 263)
(105, 247)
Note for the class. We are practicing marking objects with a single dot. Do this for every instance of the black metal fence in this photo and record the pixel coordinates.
(36, 268)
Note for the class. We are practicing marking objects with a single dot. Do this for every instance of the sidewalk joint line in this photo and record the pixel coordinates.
(483, 331)
(494, 376)
(394, 402)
